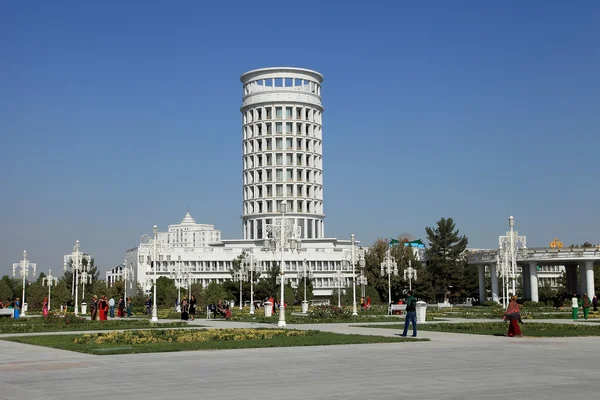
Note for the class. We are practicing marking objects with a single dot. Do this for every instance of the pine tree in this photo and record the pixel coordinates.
(445, 255)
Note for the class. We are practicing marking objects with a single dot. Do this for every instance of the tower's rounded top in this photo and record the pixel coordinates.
(250, 75)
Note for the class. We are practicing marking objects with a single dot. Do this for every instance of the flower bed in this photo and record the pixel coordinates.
(187, 336)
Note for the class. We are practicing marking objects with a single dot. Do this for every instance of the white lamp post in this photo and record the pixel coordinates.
(85, 277)
(76, 267)
(49, 281)
(355, 255)
(23, 266)
(411, 274)
(155, 259)
(281, 235)
(250, 266)
(240, 275)
(127, 275)
(389, 268)
(508, 246)
(339, 281)
(177, 274)
(305, 273)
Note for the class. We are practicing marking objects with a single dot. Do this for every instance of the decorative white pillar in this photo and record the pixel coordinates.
(582, 280)
(481, 284)
(589, 273)
(526, 281)
(494, 275)
(533, 278)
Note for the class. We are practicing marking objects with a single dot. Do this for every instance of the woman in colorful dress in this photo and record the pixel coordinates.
(513, 316)
(103, 309)
(129, 307)
(184, 310)
(121, 310)
(45, 307)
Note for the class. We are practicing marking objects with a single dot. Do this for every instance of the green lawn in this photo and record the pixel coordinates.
(501, 328)
(317, 338)
(71, 323)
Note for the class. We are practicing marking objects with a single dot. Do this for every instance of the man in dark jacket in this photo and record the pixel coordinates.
(411, 314)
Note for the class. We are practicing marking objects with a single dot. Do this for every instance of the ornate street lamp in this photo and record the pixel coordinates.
(389, 268)
(127, 273)
(282, 235)
(49, 281)
(305, 273)
(240, 276)
(411, 274)
(155, 266)
(508, 247)
(339, 281)
(250, 266)
(354, 256)
(23, 266)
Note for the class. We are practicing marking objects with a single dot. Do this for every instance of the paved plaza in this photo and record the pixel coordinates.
(450, 366)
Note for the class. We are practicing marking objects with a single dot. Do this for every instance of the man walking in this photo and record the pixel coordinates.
(411, 314)
(111, 306)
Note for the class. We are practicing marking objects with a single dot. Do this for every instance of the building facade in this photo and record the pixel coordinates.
(282, 141)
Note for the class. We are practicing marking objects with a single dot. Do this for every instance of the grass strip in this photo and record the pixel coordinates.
(501, 328)
(65, 342)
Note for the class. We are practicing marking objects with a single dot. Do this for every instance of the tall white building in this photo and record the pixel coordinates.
(282, 140)
(282, 163)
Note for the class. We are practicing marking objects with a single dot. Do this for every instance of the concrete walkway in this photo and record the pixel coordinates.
(451, 366)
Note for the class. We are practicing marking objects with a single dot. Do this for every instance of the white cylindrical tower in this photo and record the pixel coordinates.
(282, 149)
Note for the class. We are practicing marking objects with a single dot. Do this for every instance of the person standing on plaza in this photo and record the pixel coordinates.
(121, 308)
(148, 306)
(586, 303)
(45, 307)
(513, 315)
(184, 310)
(129, 307)
(93, 308)
(575, 306)
(411, 314)
(17, 308)
(111, 304)
(595, 303)
(193, 307)
(103, 309)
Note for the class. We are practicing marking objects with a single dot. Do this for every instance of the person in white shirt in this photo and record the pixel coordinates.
(111, 307)
(575, 306)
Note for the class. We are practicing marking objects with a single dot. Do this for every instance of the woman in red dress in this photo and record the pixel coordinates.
(103, 309)
(513, 315)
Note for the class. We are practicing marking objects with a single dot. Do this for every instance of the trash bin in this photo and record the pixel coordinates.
(304, 307)
(268, 309)
(421, 311)
(232, 304)
(83, 307)
(24, 308)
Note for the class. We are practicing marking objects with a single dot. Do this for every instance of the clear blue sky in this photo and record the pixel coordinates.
(116, 115)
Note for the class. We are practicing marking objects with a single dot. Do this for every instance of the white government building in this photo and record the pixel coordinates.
(282, 141)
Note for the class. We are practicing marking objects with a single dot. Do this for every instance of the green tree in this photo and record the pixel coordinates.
(6, 292)
(445, 255)
(166, 292)
(215, 293)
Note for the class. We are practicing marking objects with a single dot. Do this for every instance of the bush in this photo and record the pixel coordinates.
(489, 303)
(533, 304)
